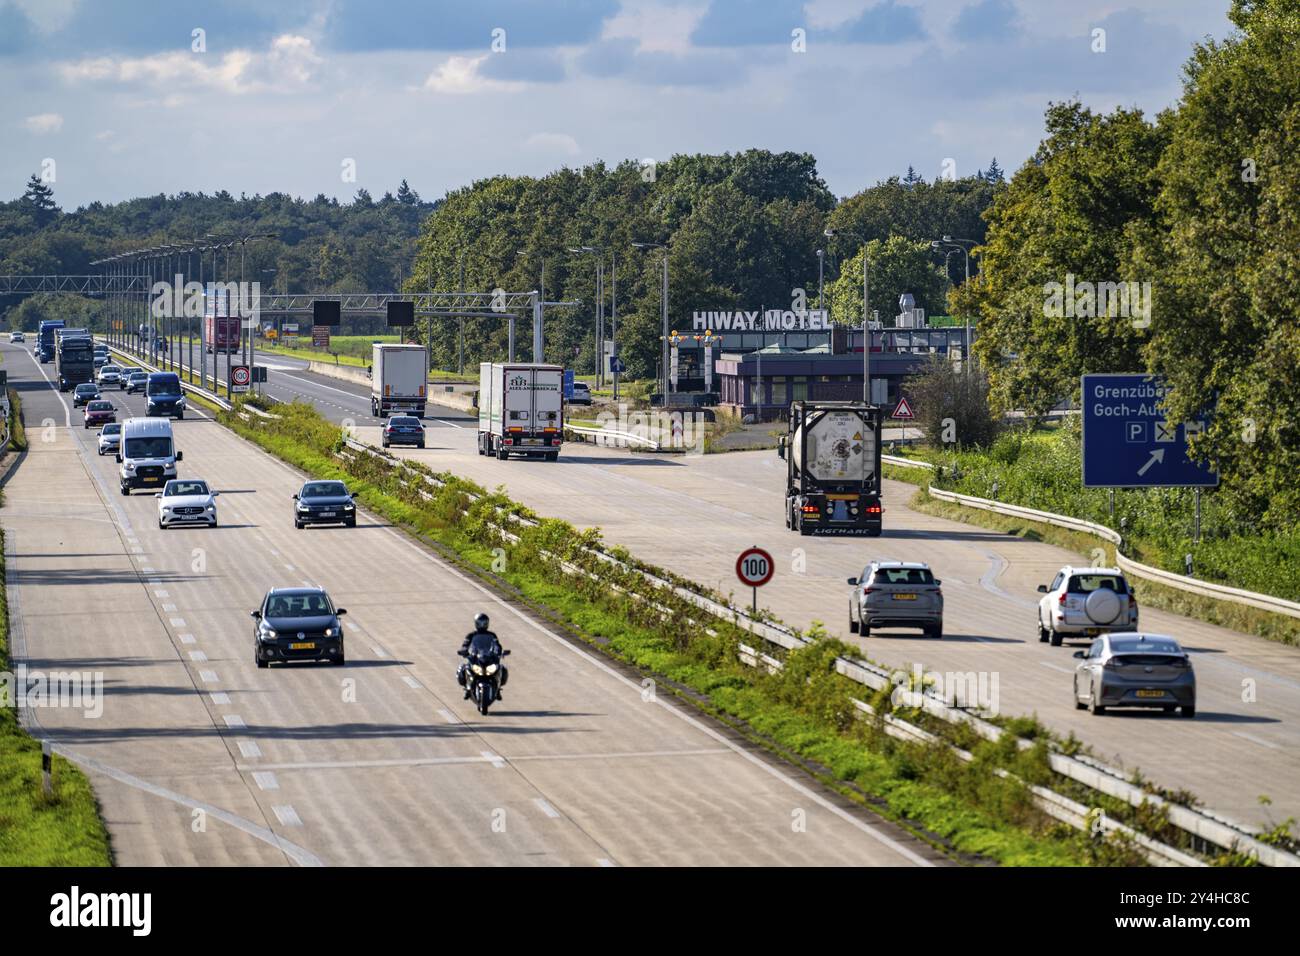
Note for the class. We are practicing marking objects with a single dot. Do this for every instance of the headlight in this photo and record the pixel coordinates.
(349, 506)
(492, 668)
(301, 506)
(267, 634)
(129, 466)
(212, 507)
(331, 632)
(476, 668)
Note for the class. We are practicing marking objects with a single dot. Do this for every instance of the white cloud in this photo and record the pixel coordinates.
(43, 123)
(461, 74)
(553, 143)
(656, 27)
(289, 64)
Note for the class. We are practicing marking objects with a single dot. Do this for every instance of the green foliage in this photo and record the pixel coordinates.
(952, 406)
(897, 265)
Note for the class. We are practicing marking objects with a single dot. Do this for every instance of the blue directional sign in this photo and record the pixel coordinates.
(568, 384)
(1128, 443)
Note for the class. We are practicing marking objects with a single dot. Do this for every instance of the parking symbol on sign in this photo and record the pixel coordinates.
(1136, 432)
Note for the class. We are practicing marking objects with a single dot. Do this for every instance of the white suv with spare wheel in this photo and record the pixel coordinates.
(1085, 602)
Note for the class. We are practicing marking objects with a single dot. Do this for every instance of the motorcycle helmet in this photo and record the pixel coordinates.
(481, 622)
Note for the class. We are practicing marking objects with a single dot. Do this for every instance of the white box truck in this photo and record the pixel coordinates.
(520, 410)
(399, 380)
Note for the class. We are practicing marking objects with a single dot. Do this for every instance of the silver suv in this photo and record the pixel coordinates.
(1085, 602)
(896, 594)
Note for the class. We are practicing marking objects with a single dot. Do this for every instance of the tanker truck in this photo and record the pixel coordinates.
(832, 455)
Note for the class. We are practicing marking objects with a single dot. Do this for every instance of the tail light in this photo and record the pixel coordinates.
(866, 591)
(1061, 600)
(809, 509)
(873, 509)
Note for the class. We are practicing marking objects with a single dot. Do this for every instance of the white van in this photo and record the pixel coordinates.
(147, 454)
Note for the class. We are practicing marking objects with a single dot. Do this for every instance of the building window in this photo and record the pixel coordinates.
(799, 390)
(757, 393)
(779, 396)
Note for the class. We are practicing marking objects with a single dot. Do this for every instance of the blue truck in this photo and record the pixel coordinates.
(45, 339)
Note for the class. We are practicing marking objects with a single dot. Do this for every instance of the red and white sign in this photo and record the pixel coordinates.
(239, 377)
(902, 409)
(754, 567)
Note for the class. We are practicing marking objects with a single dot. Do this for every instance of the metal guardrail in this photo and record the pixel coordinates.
(614, 435)
(202, 392)
(1221, 592)
(1203, 824)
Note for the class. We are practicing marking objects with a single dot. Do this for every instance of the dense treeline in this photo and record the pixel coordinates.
(322, 245)
(1200, 208)
(741, 230)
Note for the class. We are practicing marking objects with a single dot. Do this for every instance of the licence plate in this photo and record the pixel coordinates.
(532, 441)
(327, 514)
(1151, 693)
(1092, 631)
(302, 647)
(904, 597)
(149, 481)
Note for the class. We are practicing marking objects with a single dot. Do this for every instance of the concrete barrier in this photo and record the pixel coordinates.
(443, 395)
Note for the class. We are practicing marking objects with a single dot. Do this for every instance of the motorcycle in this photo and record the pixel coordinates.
(484, 671)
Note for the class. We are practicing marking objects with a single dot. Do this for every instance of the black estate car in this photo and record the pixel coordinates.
(324, 502)
(297, 624)
(403, 430)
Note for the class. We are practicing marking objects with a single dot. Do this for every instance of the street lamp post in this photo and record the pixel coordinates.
(866, 316)
(965, 246)
(664, 314)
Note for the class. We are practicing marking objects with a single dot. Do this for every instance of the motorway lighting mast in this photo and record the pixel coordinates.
(965, 245)
(830, 233)
(664, 311)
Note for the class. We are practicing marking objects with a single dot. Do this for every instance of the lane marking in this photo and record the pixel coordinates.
(1255, 740)
(169, 608)
(188, 639)
(208, 677)
(495, 759)
(234, 721)
(220, 698)
(546, 808)
(265, 780)
(448, 716)
(249, 749)
(412, 682)
(287, 816)
(379, 651)
(198, 657)
(1057, 667)
(604, 862)
(177, 621)
(161, 594)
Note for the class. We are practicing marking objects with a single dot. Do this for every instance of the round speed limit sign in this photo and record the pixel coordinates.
(754, 567)
(239, 375)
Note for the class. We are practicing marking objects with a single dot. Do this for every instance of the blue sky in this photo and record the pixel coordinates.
(287, 96)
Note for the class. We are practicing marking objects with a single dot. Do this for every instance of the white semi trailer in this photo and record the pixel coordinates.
(832, 452)
(399, 380)
(520, 410)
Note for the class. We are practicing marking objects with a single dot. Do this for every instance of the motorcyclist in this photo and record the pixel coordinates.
(462, 673)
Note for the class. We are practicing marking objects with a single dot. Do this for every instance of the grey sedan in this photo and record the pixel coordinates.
(1133, 669)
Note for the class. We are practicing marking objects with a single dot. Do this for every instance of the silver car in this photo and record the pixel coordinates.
(1132, 669)
(896, 594)
(1085, 602)
(187, 501)
(110, 438)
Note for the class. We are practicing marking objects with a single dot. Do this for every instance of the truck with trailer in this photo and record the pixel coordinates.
(520, 410)
(45, 345)
(399, 379)
(74, 358)
(221, 331)
(832, 454)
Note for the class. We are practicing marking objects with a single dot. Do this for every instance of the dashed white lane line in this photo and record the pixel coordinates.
(1057, 667)
(379, 651)
(265, 780)
(169, 608)
(188, 639)
(412, 682)
(147, 569)
(287, 816)
(198, 657)
(234, 721)
(495, 759)
(604, 862)
(448, 716)
(288, 567)
(249, 749)
(154, 582)
(546, 808)
(208, 677)
(1255, 740)
(161, 594)
(220, 698)
(137, 550)
(177, 622)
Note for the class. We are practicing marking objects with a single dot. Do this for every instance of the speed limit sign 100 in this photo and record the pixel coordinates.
(754, 567)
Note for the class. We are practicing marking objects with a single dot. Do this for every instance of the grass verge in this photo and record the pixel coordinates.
(802, 712)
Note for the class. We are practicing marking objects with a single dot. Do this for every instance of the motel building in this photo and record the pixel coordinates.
(763, 363)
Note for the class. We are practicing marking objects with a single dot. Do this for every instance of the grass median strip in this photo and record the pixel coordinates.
(803, 712)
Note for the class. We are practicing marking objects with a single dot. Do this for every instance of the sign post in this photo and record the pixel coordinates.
(754, 567)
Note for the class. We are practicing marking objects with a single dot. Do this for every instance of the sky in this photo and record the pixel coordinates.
(113, 99)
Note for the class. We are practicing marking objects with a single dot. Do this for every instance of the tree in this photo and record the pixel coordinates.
(38, 199)
(951, 406)
(994, 173)
(897, 266)
(407, 196)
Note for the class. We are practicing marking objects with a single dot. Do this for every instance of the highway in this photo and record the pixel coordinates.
(694, 514)
(201, 758)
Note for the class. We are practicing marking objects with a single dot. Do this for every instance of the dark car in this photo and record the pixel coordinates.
(403, 430)
(163, 395)
(324, 502)
(297, 624)
(83, 393)
(99, 412)
(136, 382)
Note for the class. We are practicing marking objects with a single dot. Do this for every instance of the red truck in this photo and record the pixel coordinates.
(220, 329)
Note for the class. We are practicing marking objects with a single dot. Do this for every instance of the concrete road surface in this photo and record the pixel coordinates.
(694, 514)
(201, 758)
